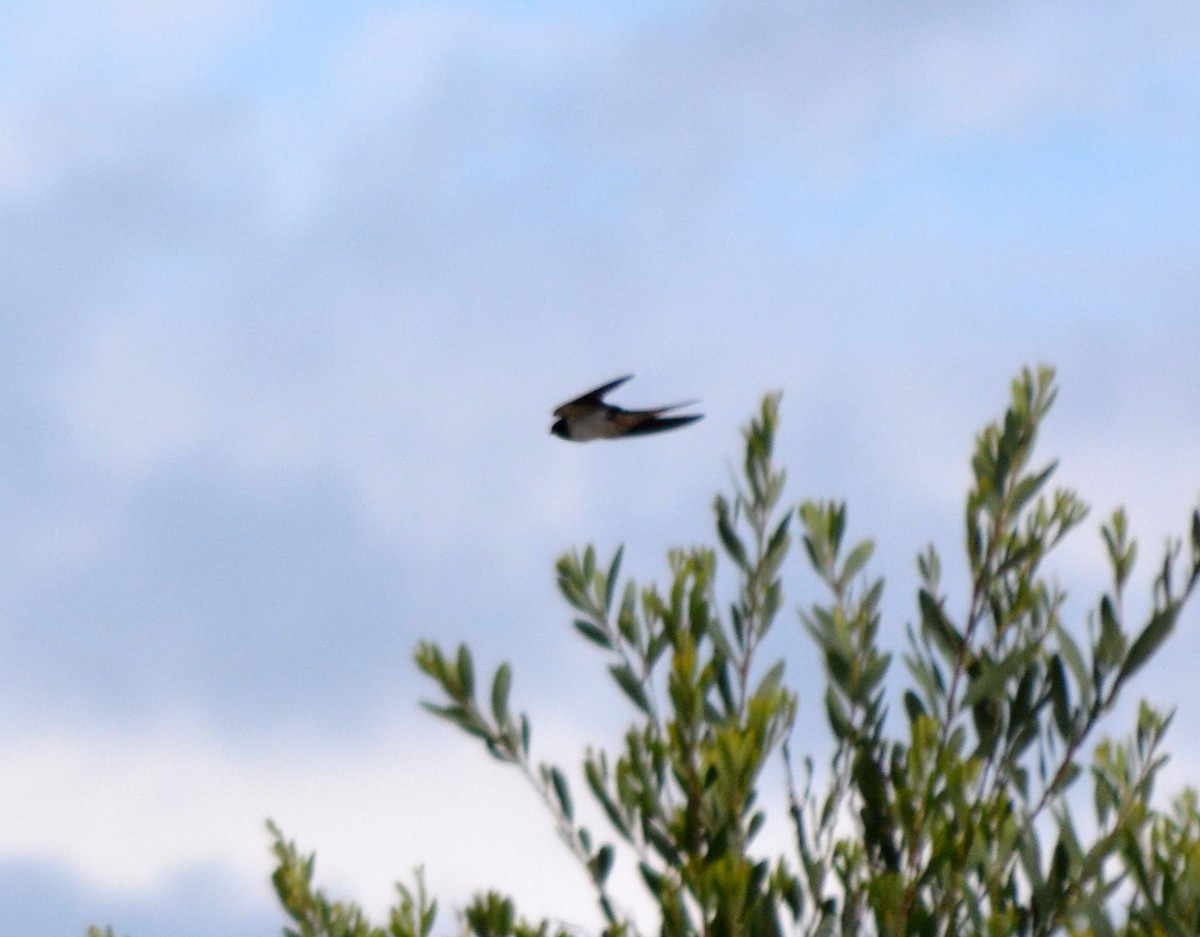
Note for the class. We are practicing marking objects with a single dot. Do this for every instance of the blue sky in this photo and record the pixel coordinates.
(290, 290)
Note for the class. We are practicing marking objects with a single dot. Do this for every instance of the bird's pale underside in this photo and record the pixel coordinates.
(589, 417)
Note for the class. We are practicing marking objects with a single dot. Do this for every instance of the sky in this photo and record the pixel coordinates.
(290, 290)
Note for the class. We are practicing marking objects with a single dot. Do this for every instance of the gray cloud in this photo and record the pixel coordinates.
(334, 322)
(42, 897)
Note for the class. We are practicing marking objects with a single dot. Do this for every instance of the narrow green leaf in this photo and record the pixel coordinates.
(461, 717)
(871, 783)
(1060, 697)
(1029, 486)
(985, 715)
(938, 625)
(724, 679)
(466, 672)
(839, 722)
(1029, 851)
(628, 625)
(792, 891)
(631, 686)
(779, 540)
(500, 687)
(1110, 648)
(873, 674)
(919, 668)
(610, 581)
(601, 864)
(1060, 864)
(1022, 702)
(1067, 777)
(428, 657)
(716, 634)
(729, 538)
(1104, 795)
(837, 528)
(1072, 657)
(1153, 635)
(561, 792)
(654, 880)
(596, 781)
(770, 681)
(857, 561)
(661, 842)
(913, 706)
(593, 634)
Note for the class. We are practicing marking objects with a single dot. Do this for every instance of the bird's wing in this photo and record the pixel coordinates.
(592, 397)
(645, 422)
(674, 406)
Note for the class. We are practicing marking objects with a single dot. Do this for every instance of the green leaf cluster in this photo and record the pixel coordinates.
(950, 818)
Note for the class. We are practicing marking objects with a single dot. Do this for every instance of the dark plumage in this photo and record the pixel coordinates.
(589, 417)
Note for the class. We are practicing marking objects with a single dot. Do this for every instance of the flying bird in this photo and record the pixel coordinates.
(589, 417)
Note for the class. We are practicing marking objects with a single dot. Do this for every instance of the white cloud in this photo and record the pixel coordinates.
(128, 814)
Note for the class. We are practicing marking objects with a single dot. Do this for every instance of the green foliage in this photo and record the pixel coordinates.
(314, 915)
(953, 819)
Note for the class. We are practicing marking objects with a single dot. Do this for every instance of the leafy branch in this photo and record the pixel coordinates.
(931, 825)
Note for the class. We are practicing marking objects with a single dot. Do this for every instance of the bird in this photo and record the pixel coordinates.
(589, 417)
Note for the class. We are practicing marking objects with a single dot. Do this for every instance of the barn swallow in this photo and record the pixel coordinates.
(589, 417)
